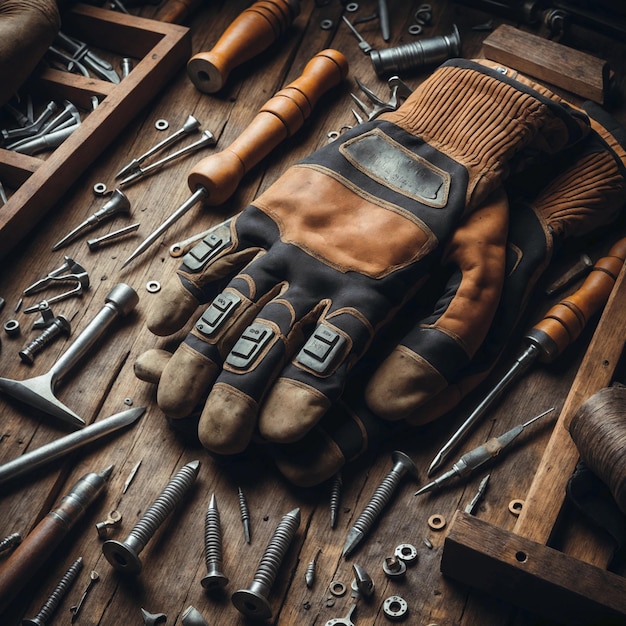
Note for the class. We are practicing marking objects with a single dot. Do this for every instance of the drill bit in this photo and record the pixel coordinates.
(479, 456)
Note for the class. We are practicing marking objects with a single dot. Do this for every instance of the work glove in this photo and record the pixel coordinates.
(27, 29)
(425, 375)
(321, 261)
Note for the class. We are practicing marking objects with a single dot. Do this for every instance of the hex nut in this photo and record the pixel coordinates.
(395, 608)
(12, 328)
(406, 552)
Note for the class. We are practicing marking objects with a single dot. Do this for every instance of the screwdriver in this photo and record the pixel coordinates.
(216, 177)
(479, 456)
(561, 325)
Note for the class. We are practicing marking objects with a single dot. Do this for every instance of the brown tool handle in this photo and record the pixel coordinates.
(177, 11)
(281, 116)
(566, 320)
(29, 556)
(253, 31)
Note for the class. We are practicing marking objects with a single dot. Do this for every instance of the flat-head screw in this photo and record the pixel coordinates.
(253, 600)
(56, 596)
(402, 465)
(124, 555)
(214, 578)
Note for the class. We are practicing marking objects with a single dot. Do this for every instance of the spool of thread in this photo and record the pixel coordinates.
(598, 429)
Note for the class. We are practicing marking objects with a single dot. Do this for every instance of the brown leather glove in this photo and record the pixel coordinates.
(27, 28)
(319, 263)
(428, 374)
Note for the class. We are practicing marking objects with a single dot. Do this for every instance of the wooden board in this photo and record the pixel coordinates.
(39, 182)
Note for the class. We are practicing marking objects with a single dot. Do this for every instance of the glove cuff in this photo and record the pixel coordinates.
(514, 115)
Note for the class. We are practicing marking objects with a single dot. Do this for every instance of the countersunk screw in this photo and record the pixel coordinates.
(214, 578)
(253, 600)
(335, 497)
(245, 513)
(59, 325)
(56, 596)
(124, 555)
(402, 464)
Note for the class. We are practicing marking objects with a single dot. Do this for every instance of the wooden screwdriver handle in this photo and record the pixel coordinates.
(565, 321)
(281, 116)
(177, 11)
(253, 31)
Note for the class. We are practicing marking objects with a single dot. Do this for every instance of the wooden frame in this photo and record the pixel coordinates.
(39, 183)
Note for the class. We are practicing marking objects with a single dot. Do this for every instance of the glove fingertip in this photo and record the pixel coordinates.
(170, 312)
(149, 366)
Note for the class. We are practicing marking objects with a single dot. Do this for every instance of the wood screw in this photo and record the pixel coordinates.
(124, 555)
(214, 578)
(253, 600)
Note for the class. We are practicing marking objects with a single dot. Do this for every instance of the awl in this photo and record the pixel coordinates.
(216, 177)
(477, 457)
(561, 325)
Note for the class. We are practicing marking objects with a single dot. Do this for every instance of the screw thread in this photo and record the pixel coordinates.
(58, 326)
(163, 505)
(335, 497)
(276, 549)
(243, 505)
(10, 541)
(59, 592)
(213, 537)
(377, 503)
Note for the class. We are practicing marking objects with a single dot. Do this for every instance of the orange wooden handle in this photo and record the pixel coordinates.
(177, 11)
(565, 321)
(253, 31)
(280, 117)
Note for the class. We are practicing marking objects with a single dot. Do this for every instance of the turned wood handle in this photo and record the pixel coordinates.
(281, 116)
(177, 11)
(566, 320)
(253, 31)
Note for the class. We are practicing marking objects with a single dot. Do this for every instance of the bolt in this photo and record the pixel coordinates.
(124, 555)
(402, 464)
(214, 578)
(56, 596)
(253, 600)
(309, 575)
(59, 326)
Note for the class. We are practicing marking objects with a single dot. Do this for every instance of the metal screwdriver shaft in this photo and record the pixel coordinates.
(479, 456)
(547, 339)
(124, 555)
(216, 177)
(402, 465)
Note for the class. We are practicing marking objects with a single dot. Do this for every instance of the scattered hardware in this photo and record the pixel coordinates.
(94, 577)
(60, 591)
(59, 326)
(10, 542)
(335, 498)
(12, 328)
(337, 588)
(152, 619)
(98, 242)
(478, 496)
(113, 519)
(343, 621)
(161, 124)
(38, 392)
(309, 574)
(406, 552)
(245, 513)
(362, 584)
(395, 608)
(578, 270)
(253, 601)
(192, 617)
(99, 189)
(399, 92)
(402, 465)
(423, 17)
(437, 522)
(124, 555)
(117, 204)
(214, 578)
(394, 567)
(479, 456)
(516, 506)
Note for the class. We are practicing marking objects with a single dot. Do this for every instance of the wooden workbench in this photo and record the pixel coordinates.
(104, 382)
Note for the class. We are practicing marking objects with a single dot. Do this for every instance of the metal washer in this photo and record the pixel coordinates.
(406, 552)
(395, 607)
(152, 286)
(337, 588)
(161, 124)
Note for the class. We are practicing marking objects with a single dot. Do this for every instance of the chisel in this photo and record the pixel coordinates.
(216, 177)
(545, 341)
